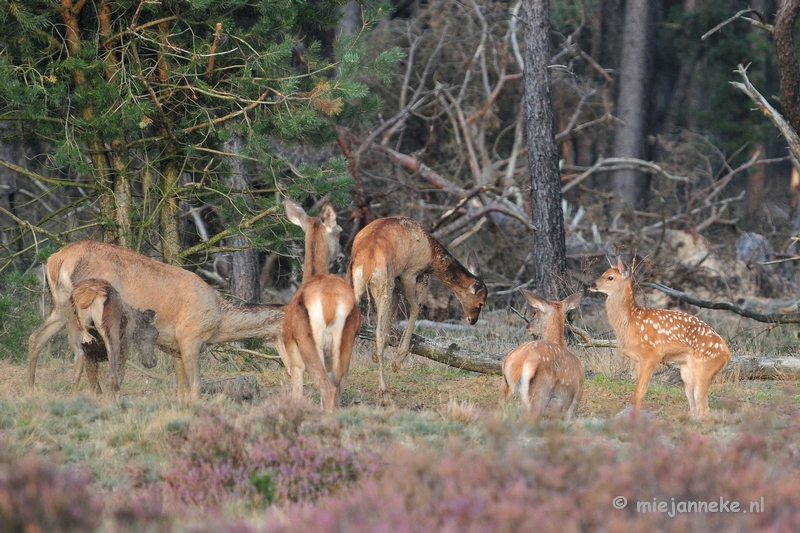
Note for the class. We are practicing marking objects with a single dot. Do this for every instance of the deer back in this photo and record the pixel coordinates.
(398, 245)
(181, 300)
(651, 328)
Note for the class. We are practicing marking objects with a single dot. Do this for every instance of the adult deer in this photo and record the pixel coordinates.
(650, 336)
(400, 248)
(103, 327)
(190, 314)
(322, 320)
(544, 370)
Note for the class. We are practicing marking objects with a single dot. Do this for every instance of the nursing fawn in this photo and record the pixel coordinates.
(323, 318)
(548, 376)
(650, 336)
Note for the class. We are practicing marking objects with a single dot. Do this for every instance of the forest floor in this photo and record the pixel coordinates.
(132, 444)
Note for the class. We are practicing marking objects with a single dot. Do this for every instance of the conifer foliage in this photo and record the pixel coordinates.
(132, 101)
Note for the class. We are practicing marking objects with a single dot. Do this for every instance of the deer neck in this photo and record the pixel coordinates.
(316, 260)
(554, 332)
(247, 321)
(621, 308)
(447, 268)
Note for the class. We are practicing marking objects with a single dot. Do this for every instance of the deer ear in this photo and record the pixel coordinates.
(534, 299)
(295, 213)
(623, 269)
(572, 302)
(328, 216)
(472, 265)
(149, 316)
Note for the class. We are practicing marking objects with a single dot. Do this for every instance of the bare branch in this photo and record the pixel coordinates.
(786, 130)
(616, 163)
(772, 318)
(740, 14)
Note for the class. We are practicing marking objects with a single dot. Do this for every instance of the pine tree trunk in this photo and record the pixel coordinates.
(245, 268)
(630, 186)
(546, 214)
(787, 61)
(170, 213)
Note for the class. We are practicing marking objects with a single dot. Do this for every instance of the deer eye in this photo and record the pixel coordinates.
(610, 278)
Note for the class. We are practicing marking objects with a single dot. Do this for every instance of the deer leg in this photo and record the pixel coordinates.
(79, 364)
(646, 368)
(573, 407)
(180, 378)
(348, 340)
(688, 385)
(190, 359)
(296, 369)
(702, 382)
(315, 365)
(52, 325)
(409, 285)
(92, 368)
(112, 349)
(540, 395)
(74, 338)
(382, 290)
(506, 390)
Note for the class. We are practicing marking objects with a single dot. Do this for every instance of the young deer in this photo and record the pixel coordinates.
(102, 326)
(544, 370)
(323, 318)
(650, 336)
(399, 247)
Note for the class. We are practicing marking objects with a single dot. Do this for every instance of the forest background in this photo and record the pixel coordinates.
(176, 128)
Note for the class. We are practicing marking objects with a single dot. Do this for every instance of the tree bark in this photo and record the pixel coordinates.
(630, 186)
(245, 273)
(783, 35)
(169, 215)
(546, 215)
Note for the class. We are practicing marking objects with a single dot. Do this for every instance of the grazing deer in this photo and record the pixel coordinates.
(323, 318)
(544, 370)
(399, 247)
(190, 314)
(102, 326)
(650, 336)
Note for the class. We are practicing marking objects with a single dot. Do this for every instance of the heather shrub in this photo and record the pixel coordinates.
(567, 482)
(39, 496)
(291, 452)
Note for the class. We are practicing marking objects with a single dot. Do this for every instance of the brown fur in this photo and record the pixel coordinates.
(323, 318)
(650, 336)
(400, 248)
(190, 313)
(103, 327)
(544, 370)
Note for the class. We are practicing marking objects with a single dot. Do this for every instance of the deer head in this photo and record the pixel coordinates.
(322, 236)
(614, 277)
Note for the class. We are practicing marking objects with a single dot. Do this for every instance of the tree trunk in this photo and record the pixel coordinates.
(630, 186)
(351, 18)
(245, 268)
(170, 213)
(546, 214)
(787, 61)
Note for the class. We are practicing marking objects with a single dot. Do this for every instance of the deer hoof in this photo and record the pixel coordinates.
(395, 366)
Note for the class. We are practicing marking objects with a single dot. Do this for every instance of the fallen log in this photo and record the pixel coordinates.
(448, 354)
(743, 366)
(752, 367)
